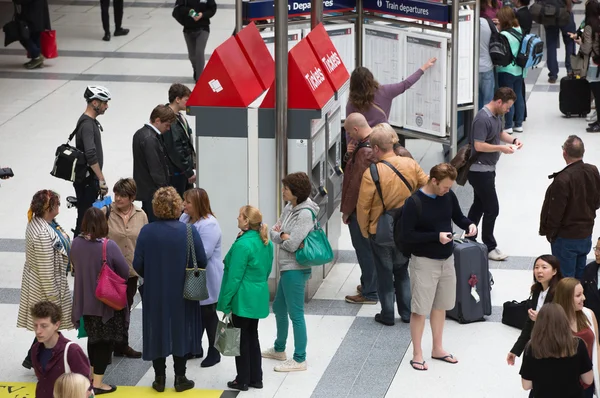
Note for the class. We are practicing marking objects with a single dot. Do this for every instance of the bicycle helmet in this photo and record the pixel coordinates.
(96, 92)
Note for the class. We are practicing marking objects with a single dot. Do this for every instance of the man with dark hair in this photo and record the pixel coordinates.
(569, 209)
(52, 350)
(426, 226)
(486, 140)
(179, 142)
(150, 163)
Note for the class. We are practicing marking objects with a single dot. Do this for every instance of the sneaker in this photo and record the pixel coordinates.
(518, 129)
(35, 63)
(509, 131)
(272, 354)
(497, 255)
(592, 117)
(290, 366)
(359, 299)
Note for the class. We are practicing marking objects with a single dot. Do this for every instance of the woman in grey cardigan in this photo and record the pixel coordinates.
(295, 223)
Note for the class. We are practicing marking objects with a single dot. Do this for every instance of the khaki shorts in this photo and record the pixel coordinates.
(432, 283)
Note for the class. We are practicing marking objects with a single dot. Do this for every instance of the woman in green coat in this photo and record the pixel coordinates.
(245, 293)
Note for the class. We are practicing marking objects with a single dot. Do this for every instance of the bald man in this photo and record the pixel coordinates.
(358, 161)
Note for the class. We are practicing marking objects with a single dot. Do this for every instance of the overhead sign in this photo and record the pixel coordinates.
(422, 10)
(328, 56)
(265, 9)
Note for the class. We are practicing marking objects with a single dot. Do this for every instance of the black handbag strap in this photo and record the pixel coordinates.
(190, 247)
(375, 177)
(388, 164)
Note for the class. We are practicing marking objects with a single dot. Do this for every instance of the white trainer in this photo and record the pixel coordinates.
(272, 354)
(497, 255)
(290, 366)
(518, 129)
(509, 131)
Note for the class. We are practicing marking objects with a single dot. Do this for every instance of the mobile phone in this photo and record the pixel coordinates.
(6, 173)
(449, 236)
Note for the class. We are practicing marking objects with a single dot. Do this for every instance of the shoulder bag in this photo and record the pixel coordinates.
(70, 163)
(111, 289)
(16, 29)
(316, 250)
(194, 288)
(66, 361)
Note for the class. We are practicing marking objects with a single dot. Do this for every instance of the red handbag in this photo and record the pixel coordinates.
(48, 44)
(111, 289)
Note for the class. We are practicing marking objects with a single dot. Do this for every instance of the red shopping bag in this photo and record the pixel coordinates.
(48, 44)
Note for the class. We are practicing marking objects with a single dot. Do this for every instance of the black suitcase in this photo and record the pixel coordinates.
(471, 264)
(575, 97)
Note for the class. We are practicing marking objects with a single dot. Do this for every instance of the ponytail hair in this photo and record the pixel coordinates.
(254, 217)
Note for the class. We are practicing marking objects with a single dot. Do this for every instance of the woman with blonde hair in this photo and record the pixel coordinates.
(72, 385)
(197, 211)
(245, 293)
(569, 295)
(46, 260)
(555, 363)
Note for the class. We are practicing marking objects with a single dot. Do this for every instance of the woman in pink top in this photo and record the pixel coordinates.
(489, 8)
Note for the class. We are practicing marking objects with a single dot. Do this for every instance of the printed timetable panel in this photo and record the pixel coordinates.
(294, 36)
(382, 52)
(426, 100)
(465, 57)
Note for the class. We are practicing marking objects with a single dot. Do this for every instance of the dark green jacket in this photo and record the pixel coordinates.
(180, 150)
(245, 289)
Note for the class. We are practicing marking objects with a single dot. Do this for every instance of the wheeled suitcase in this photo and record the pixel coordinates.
(575, 97)
(472, 270)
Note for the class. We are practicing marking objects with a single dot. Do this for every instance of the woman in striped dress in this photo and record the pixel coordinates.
(46, 261)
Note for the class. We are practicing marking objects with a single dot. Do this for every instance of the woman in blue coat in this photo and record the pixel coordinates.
(169, 321)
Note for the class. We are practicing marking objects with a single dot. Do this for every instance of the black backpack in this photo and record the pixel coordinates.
(500, 51)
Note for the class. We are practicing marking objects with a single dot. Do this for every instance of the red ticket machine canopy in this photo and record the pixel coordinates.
(257, 54)
(328, 57)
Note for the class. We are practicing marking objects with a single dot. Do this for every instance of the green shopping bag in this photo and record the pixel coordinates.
(316, 250)
(81, 333)
(228, 337)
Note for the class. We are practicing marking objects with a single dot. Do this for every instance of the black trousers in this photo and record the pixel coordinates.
(100, 356)
(210, 320)
(86, 193)
(118, 6)
(160, 366)
(131, 290)
(249, 363)
(180, 183)
(485, 205)
(147, 207)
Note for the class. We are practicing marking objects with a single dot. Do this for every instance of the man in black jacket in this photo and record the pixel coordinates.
(150, 164)
(36, 15)
(194, 16)
(178, 142)
(591, 289)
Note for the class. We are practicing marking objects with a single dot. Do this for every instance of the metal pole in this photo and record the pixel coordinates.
(454, 82)
(239, 23)
(476, 34)
(358, 34)
(316, 13)
(281, 99)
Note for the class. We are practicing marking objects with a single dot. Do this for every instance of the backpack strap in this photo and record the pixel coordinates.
(375, 177)
(66, 361)
(492, 26)
(516, 34)
(362, 144)
(419, 205)
(388, 164)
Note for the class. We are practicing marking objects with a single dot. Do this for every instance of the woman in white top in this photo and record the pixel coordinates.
(197, 211)
(546, 275)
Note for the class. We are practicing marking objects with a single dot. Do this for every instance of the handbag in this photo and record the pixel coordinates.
(384, 234)
(194, 287)
(70, 163)
(316, 250)
(515, 314)
(227, 341)
(578, 65)
(111, 289)
(48, 44)
(16, 29)
(81, 332)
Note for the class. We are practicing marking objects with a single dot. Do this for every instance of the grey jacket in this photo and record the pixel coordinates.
(297, 222)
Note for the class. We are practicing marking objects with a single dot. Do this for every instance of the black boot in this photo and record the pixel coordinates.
(212, 358)
(106, 36)
(159, 383)
(182, 384)
(594, 128)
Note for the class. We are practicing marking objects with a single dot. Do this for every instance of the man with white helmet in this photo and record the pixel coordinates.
(89, 141)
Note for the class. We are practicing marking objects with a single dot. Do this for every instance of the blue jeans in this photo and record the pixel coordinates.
(572, 254)
(487, 84)
(368, 279)
(33, 44)
(392, 281)
(552, 45)
(517, 111)
(289, 301)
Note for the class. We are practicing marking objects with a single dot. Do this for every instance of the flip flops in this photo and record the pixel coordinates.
(448, 359)
(413, 363)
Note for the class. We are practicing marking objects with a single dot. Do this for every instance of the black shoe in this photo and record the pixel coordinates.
(99, 391)
(237, 386)
(405, 320)
(593, 124)
(121, 32)
(183, 384)
(593, 129)
(106, 36)
(159, 383)
(27, 363)
(380, 320)
(257, 385)
(212, 358)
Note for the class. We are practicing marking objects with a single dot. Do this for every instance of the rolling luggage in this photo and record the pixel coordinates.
(575, 97)
(472, 270)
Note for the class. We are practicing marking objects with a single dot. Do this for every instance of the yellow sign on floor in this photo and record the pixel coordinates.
(27, 390)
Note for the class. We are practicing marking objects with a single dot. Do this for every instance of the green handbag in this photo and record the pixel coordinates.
(81, 333)
(316, 250)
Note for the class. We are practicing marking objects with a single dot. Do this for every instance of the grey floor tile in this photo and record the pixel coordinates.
(10, 296)
(347, 256)
(12, 245)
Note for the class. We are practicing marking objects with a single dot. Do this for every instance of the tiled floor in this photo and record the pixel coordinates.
(349, 355)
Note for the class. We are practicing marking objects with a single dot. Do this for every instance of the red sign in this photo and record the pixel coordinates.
(257, 54)
(308, 87)
(228, 79)
(329, 58)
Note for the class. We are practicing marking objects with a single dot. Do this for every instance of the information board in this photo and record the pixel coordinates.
(342, 36)
(426, 100)
(382, 55)
(465, 56)
(294, 36)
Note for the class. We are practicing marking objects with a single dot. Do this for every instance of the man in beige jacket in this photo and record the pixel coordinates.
(390, 264)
